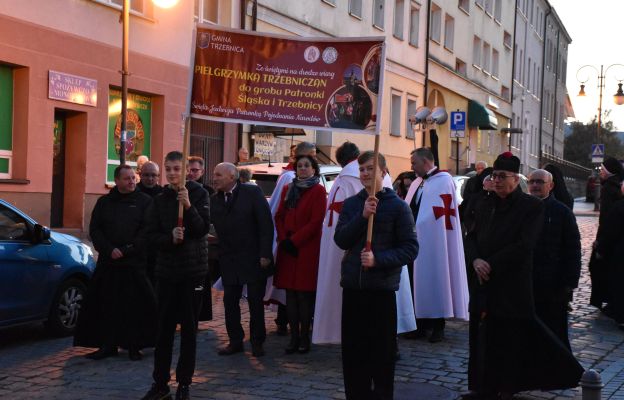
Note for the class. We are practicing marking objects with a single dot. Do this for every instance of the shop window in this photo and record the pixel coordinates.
(139, 129)
(6, 121)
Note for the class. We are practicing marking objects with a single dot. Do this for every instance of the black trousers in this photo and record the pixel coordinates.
(436, 324)
(554, 314)
(231, 301)
(178, 302)
(369, 324)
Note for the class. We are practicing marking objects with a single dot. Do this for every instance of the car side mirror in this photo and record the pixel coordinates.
(40, 233)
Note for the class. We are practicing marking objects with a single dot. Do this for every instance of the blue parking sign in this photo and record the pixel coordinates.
(458, 124)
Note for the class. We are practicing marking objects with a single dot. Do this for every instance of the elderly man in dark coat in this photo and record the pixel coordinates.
(120, 307)
(510, 349)
(244, 227)
(557, 257)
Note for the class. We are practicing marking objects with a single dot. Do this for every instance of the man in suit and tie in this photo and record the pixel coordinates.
(244, 227)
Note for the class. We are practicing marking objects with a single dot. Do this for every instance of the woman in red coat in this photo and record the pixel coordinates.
(299, 221)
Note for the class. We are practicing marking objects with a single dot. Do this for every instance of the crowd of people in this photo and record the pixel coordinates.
(504, 260)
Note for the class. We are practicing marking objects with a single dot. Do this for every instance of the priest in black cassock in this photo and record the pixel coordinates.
(511, 350)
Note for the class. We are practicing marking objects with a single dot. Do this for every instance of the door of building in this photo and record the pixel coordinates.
(58, 171)
(207, 143)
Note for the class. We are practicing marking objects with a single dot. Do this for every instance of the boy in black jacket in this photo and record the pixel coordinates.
(181, 267)
(369, 282)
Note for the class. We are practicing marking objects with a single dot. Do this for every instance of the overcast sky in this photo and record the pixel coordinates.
(594, 26)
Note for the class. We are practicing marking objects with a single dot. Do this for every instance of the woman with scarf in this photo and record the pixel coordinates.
(299, 221)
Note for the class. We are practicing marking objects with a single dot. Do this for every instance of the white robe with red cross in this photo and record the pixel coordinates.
(328, 308)
(440, 283)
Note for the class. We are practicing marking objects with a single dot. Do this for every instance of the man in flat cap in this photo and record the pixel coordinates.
(511, 350)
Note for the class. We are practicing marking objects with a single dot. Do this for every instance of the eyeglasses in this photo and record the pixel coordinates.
(195, 169)
(500, 176)
(536, 181)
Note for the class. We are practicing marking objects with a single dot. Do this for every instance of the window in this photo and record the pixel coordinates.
(399, 16)
(6, 121)
(464, 5)
(476, 51)
(460, 67)
(479, 3)
(138, 6)
(505, 92)
(498, 9)
(489, 7)
(507, 40)
(485, 63)
(207, 11)
(395, 124)
(355, 8)
(330, 2)
(378, 13)
(436, 23)
(12, 226)
(414, 25)
(495, 61)
(411, 111)
(528, 70)
(449, 31)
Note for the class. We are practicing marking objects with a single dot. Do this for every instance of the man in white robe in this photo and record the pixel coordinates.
(439, 275)
(328, 306)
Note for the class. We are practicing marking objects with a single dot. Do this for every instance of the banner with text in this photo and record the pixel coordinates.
(329, 84)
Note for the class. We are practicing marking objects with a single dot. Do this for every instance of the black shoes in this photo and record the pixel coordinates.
(159, 392)
(436, 336)
(135, 355)
(231, 349)
(102, 352)
(304, 345)
(282, 330)
(183, 392)
(293, 345)
(257, 350)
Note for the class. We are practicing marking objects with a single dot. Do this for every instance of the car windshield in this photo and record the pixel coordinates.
(265, 182)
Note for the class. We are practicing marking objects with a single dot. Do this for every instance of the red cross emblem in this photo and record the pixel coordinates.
(445, 211)
(334, 206)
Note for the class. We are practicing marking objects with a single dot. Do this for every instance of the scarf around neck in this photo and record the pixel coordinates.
(297, 187)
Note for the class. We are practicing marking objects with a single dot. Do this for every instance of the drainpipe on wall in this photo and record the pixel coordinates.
(427, 63)
(541, 120)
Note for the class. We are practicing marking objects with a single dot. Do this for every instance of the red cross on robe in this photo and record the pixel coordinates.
(445, 211)
(334, 206)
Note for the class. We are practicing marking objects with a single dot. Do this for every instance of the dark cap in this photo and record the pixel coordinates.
(507, 162)
(614, 167)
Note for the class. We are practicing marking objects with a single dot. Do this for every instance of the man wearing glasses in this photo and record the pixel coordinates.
(195, 172)
(511, 350)
(557, 257)
(150, 174)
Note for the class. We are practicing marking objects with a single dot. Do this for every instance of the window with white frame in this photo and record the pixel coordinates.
(464, 5)
(485, 57)
(479, 3)
(449, 32)
(395, 111)
(436, 23)
(414, 24)
(495, 61)
(507, 40)
(498, 9)
(355, 8)
(6, 121)
(476, 52)
(489, 7)
(528, 70)
(207, 11)
(411, 111)
(460, 67)
(378, 13)
(399, 17)
(136, 6)
(331, 2)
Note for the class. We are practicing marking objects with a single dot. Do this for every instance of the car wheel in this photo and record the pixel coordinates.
(66, 307)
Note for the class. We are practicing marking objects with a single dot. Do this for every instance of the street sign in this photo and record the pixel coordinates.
(458, 124)
(597, 153)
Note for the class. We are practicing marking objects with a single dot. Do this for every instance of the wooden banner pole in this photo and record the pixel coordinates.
(185, 154)
(371, 218)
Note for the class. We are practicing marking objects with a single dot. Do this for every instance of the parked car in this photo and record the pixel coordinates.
(43, 274)
(593, 182)
(265, 175)
(460, 185)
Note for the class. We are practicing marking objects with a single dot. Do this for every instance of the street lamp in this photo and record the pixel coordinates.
(618, 97)
(125, 15)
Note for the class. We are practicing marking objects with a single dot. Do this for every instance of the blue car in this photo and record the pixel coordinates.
(43, 274)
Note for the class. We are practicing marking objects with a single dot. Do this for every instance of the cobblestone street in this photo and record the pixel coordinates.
(35, 366)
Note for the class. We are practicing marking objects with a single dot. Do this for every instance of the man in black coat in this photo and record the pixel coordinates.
(244, 227)
(120, 307)
(150, 174)
(557, 257)
(511, 350)
(181, 268)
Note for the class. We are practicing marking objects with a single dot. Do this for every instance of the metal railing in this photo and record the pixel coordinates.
(569, 169)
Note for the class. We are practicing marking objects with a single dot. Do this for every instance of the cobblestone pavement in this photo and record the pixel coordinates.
(34, 366)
